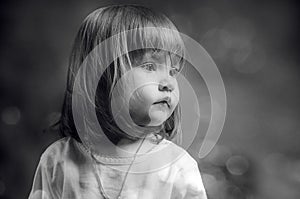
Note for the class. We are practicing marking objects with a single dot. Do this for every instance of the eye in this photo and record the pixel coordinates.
(149, 66)
(173, 72)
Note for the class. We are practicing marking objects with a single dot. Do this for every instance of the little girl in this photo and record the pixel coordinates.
(134, 151)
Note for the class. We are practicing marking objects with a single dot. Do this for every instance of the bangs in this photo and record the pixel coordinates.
(136, 28)
(161, 39)
(157, 40)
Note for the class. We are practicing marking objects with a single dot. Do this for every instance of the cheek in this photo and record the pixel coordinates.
(149, 93)
(139, 113)
(139, 105)
(146, 91)
(140, 99)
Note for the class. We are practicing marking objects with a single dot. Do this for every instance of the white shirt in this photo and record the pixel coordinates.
(67, 171)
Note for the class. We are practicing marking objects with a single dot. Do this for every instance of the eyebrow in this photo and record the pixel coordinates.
(157, 55)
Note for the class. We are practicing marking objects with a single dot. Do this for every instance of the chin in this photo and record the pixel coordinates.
(156, 123)
(157, 119)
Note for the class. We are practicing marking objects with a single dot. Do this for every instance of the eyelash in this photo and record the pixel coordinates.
(149, 66)
(175, 72)
(153, 67)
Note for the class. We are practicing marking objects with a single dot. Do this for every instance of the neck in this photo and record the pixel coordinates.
(128, 148)
(124, 148)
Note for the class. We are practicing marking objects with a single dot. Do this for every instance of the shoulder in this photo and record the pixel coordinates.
(188, 182)
(58, 152)
(50, 173)
(184, 159)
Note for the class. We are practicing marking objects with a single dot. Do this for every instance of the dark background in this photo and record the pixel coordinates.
(255, 44)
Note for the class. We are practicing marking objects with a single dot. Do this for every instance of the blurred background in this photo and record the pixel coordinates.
(255, 45)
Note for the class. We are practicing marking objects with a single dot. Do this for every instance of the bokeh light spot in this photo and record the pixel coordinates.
(235, 192)
(237, 165)
(219, 155)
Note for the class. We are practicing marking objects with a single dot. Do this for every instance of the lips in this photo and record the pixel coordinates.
(165, 100)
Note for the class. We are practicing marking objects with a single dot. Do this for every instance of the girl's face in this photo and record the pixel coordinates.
(156, 92)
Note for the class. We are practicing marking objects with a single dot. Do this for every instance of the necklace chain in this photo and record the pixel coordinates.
(125, 177)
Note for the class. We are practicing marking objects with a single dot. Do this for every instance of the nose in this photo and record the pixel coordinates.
(165, 86)
(166, 83)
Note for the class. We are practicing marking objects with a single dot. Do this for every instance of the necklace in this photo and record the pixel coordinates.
(105, 196)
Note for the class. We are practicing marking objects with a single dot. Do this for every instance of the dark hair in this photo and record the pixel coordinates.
(98, 26)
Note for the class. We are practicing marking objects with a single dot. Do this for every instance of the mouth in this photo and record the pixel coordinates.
(165, 100)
